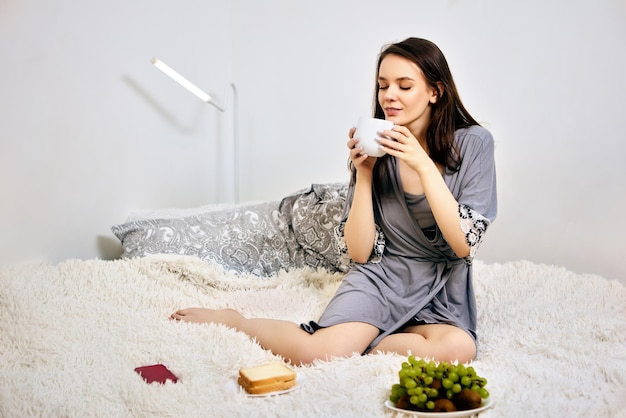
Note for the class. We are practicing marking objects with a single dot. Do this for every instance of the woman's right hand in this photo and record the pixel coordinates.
(362, 162)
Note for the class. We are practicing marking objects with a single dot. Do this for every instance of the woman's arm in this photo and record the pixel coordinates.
(360, 228)
(445, 208)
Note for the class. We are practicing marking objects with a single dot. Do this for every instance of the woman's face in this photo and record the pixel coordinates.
(404, 95)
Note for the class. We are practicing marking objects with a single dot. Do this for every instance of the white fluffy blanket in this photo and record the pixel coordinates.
(552, 343)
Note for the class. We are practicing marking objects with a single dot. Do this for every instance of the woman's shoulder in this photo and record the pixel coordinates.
(474, 136)
(475, 131)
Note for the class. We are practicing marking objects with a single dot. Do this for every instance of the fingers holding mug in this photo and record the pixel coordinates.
(352, 141)
(351, 132)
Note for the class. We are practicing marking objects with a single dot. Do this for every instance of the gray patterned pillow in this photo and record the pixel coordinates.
(315, 213)
(252, 239)
(261, 239)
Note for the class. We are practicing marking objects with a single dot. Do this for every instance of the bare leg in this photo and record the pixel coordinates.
(286, 338)
(226, 317)
(440, 342)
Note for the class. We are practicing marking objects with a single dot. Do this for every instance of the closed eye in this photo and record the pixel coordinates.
(400, 87)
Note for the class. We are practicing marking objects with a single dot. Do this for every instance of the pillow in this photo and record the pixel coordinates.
(244, 239)
(315, 213)
(261, 238)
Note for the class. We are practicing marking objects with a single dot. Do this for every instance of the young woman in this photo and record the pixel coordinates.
(413, 220)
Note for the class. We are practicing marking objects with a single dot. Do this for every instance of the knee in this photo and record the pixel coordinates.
(462, 350)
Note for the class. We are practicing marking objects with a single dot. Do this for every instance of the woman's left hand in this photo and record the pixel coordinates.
(404, 146)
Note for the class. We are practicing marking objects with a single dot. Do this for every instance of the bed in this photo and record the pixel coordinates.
(552, 342)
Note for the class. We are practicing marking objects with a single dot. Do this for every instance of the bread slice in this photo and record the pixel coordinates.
(268, 388)
(267, 378)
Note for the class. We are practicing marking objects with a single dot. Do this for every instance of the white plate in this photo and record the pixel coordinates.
(487, 403)
(233, 386)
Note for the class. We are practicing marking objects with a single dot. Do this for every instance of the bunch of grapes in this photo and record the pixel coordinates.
(429, 386)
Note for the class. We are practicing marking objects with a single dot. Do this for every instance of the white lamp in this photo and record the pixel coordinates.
(202, 95)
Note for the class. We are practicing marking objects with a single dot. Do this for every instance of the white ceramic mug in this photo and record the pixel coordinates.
(368, 132)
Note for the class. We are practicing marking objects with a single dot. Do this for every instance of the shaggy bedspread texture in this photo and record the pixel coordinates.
(552, 343)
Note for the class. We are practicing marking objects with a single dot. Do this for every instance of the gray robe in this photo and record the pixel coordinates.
(418, 278)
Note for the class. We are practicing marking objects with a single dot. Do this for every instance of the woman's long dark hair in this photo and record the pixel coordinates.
(448, 113)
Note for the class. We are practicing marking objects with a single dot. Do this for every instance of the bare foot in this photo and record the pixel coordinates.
(228, 317)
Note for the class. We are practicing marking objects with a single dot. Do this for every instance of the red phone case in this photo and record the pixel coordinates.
(156, 373)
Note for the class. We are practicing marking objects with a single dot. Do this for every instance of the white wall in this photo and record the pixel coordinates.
(90, 129)
(91, 132)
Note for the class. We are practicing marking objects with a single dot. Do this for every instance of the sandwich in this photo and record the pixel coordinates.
(268, 378)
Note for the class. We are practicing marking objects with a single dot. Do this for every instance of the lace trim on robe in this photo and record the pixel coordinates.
(474, 225)
(377, 251)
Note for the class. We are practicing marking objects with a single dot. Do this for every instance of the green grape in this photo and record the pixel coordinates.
(430, 405)
(414, 399)
(461, 370)
(447, 383)
(466, 381)
(484, 393)
(422, 398)
(409, 383)
(428, 380)
(453, 376)
(456, 388)
(430, 369)
(397, 391)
